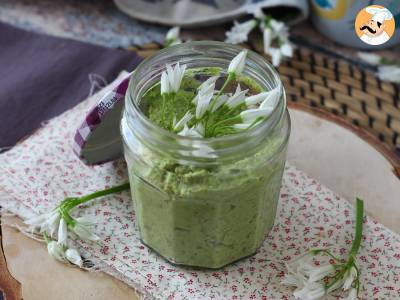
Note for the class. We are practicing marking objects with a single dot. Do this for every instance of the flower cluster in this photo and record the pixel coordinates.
(275, 35)
(313, 282)
(57, 223)
(387, 69)
(217, 112)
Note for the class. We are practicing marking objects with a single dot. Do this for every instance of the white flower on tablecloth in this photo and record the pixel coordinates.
(56, 250)
(73, 256)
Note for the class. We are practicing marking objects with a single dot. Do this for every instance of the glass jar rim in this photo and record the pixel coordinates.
(262, 129)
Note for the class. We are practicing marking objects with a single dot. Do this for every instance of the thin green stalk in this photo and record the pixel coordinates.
(230, 77)
(359, 226)
(163, 110)
(78, 201)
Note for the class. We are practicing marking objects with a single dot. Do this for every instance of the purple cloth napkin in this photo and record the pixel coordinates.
(42, 76)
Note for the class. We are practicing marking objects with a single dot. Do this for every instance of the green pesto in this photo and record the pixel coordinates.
(204, 216)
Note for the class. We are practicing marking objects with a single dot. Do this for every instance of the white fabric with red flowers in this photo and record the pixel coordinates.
(39, 172)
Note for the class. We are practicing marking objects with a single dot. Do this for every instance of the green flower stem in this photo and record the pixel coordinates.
(46, 238)
(358, 235)
(355, 247)
(230, 77)
(235, 118)
(163, 109)
(77, 201)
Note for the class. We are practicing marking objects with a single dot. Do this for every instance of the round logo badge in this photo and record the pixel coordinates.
(374, 25)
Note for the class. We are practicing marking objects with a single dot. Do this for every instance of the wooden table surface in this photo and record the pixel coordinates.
(333, 155)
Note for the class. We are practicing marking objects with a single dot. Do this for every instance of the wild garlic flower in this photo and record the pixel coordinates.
(45, 223)
(220, 102)
(278, 33)
(258, 98)
(237, 98)
(251, 115)
(63, 253)
(240, 31)
(310, 291)
(171, 79)
(189, 132)
(62, 232)
(389, 73)
(267, 38)
(350, 276)
(206, 87)
(82, 230)
(203, 101)
(73, 256)
(388, 70)
(370, 58)
(352, 295)
(237, 64)
(172, 37)
(183, 121)
(56, 250)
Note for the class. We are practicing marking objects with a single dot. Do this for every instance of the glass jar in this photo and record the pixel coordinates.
(204, 202)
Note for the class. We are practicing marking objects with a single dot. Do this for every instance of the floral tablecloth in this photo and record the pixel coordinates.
(42, 170)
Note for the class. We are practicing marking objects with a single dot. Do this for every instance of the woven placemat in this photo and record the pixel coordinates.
(337, 89)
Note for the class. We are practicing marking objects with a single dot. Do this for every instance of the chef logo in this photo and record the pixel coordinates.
(374, 25)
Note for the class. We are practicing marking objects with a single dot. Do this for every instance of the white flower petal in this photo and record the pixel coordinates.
(37, 221)
(271, 99)
(352, 295)
(389, 73)
(318, 273)
(88, 221)
(240, 31)
(165, 88)
(286, 49)
(237, 98)
(171, 79)
(62, 232)
(349, 278)
(238, 63)
(250, 115)
(183, 121)
(310, 291)
(189, 132)
(276, 56)
(205, 86)
(267, 38)
(84, 232)
(73, 256)
(51, 224)
(203, 151)
(220, 101)
(56, 250)
(256, 99)
(173, 34)
(203, 103)
(370, 58)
